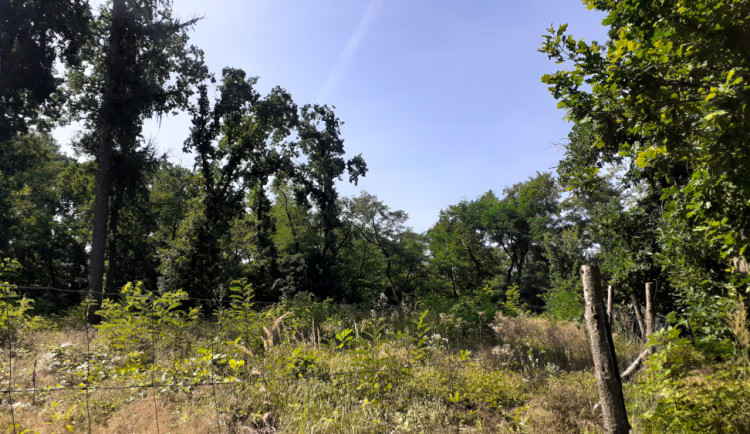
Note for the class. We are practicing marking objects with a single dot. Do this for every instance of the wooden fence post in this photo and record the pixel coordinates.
(638, 315)
(610, 301)
(650, 291)
(603, 352)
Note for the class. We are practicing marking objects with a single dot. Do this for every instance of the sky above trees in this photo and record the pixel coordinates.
(444, 100)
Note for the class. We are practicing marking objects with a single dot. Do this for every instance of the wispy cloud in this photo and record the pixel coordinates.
(346, 56)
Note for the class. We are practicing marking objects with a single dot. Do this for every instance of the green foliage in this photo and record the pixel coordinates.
(665, 97)
(564, 251)
(35, 37)
(141, 317)
(512, 306)
(563, 301)
(14, 320)
(419, 339)
(497, 241)
(303, 362)
(686, 394)
(240, 318)
(388, 256)
(39, 222)
(344, 338)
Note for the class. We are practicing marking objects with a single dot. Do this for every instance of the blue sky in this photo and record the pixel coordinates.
(442, 98)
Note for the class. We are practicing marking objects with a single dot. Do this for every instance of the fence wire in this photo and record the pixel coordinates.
(88, 387)
(218, 382)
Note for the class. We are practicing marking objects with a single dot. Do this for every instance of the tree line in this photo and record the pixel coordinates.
(652, 185)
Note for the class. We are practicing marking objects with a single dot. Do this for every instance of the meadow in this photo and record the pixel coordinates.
(155, 364)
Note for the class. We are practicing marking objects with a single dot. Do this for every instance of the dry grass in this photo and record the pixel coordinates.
(562, 344)
(565, 404)
(532, 375)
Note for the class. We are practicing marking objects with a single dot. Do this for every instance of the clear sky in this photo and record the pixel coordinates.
(442, 98)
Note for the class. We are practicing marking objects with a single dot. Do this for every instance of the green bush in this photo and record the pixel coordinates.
(563, 300)
(15, 321)
(683, 392)
(142, 317)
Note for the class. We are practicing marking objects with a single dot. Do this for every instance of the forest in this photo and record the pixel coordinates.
(241, 292)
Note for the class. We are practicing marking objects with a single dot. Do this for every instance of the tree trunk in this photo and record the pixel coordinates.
(603, 352)
(113, 271)
(104, 158)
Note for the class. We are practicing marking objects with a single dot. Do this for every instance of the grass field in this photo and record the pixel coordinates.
(301, 366)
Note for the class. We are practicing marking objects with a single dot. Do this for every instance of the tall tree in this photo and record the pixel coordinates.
(383, 229)
(37, 227)
(145, 68)
(523, 217)
(459, 248)
(240, 143)
(321, 144)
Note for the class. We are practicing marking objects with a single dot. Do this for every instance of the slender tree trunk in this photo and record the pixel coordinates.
(113, 270)
(104, 158)
(396, 294)
(509, 273)
(521, 260)
(453, 284)
(603, 352)
(291, 223)
(101, 215)
(638, 315)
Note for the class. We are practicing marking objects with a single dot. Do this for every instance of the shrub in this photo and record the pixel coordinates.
(14, 318)
(683, 392)
(142, 317)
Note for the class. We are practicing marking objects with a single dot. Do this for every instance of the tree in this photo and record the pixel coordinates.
(239, 144)
(145, 69)
(668, 95)
(33, 36)
(320, 142)
(39, 222)
(518, 224)
(460, 252)
(385, 231)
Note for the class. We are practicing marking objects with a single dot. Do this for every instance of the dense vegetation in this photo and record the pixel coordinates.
(652, 186)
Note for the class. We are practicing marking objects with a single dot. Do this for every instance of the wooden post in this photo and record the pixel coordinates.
(610, 296)
(650, 291)
(603, 352)
(638, 315)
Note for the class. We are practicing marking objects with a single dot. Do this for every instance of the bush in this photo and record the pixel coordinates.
(683, 392)
(143, 317)
(14, 318)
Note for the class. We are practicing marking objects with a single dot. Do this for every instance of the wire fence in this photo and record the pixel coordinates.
(89, 386)
(216, 379)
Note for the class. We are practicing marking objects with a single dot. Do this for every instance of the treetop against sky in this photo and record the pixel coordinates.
(443, 99)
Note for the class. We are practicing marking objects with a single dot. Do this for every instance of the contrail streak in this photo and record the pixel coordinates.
(346, 56)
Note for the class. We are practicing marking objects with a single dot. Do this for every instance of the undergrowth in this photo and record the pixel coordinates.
(305, 366)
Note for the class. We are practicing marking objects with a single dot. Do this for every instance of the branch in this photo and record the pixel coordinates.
(635, 365)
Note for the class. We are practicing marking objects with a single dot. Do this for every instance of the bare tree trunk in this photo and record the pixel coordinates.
(610, 296)
(638, 315)
(104, 158)
(603, 353)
